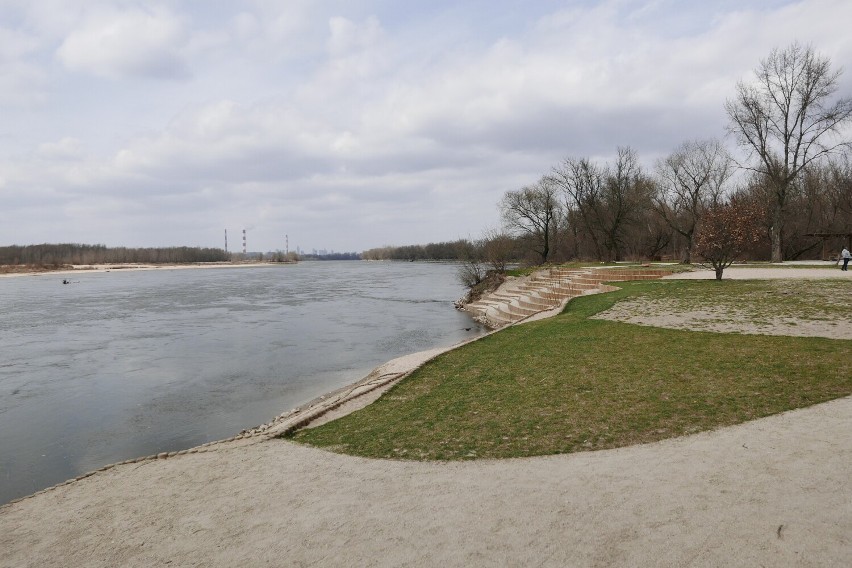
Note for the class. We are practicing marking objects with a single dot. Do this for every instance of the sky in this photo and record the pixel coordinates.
(348, 125)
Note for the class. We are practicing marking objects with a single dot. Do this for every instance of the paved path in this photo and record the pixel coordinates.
(774, 492)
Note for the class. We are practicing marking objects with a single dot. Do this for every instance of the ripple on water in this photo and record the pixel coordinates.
(124, 364)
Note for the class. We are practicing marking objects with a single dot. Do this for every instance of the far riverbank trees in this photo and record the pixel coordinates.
(73, 253)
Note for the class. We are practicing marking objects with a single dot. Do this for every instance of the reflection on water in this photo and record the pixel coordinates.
(124, 364)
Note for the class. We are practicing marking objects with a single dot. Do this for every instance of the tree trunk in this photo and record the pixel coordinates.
(686, 258)
(775, 231)
(546, 246)
(719, 270)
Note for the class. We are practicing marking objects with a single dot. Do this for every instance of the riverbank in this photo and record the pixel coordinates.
(773, 491)
(129, 364)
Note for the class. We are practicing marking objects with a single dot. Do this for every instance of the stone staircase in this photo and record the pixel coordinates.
(520, 298)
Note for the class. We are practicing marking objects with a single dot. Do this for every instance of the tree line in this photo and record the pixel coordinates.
(452, 250)
(331, 256)
(791, 188)
(795, 181)
(72, 253)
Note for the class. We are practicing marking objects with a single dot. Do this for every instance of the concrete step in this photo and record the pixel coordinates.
(559, 296)
(538, 305)
(515, 307)
(548, 290)
(497, 316)
(582, 284)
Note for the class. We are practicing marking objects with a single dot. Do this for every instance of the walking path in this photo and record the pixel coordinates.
(773, 492)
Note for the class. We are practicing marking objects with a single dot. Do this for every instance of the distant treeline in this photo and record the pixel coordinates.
(332, 256)
(69, 253)
(454, 250)
(462, 249)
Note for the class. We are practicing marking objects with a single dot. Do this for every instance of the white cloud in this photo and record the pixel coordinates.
(64, 150)
(246, 25)
(277, 31)
(22, 85)
(15, 44)
(353, 124)
(132, 42)
(348, 37)
(22, 81)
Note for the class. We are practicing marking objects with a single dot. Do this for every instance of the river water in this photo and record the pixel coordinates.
(123, 364)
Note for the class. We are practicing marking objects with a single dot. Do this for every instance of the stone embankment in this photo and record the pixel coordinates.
(520, 298)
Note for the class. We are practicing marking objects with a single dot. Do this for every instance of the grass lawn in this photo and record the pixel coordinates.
(571, 383)
(526, 271)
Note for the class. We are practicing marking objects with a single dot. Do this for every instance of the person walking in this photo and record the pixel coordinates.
(846, 256)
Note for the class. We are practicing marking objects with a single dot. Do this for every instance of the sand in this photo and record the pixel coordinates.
(768, 273)
(836, 323)
(772, 492)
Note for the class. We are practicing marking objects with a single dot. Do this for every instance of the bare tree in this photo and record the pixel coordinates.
(838, 184)
(533, 211)
(582, 184)
(498, 249)
(609, 199)
(628, 194)
(822, 204)
(786, 122)
(472, 269)
(651, 236)
(471, 272)
(689, 181)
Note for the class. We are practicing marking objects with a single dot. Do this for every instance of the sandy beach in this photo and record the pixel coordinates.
(772, 492)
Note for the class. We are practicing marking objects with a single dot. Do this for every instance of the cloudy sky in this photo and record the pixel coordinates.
(353, 124)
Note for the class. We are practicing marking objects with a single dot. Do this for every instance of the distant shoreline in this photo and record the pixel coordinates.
(135, 267)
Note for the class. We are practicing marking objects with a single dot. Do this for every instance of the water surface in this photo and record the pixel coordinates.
(123, 364)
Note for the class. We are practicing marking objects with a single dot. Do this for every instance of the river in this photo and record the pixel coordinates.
(122, 364)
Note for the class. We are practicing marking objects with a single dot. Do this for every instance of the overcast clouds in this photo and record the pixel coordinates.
(350, 124)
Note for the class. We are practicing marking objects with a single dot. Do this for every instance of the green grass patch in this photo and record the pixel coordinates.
(526, 271)
(572, 384)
